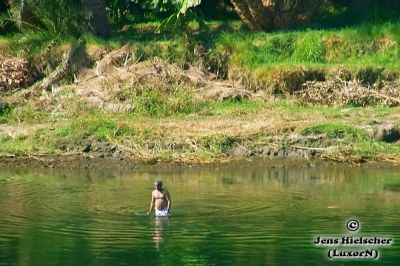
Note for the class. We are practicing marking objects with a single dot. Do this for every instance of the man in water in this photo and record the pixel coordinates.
(160, 200)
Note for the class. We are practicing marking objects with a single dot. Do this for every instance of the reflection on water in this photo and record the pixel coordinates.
(252, 214)
(159, 230)
(392, 187)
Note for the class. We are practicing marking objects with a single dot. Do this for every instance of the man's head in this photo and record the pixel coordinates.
(158, 184)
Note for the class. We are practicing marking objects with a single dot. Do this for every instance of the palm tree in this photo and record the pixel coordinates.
(62, 15)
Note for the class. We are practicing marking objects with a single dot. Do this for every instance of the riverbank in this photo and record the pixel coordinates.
(310, 94)
(100, 164)
(222, 132)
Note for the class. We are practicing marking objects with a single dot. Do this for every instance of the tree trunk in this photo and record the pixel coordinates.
(98, 23)
(244, 13)
(275, 14)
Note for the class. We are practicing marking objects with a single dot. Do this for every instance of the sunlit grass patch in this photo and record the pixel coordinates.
(262, 56)
(96, 124)
(368, 147)
(335, 131)
(28, 113)
(39, 141)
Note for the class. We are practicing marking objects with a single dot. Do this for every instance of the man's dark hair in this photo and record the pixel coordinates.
(158, 183)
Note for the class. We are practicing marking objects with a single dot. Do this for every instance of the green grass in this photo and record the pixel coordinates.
(256, 53)
(362, 145)
(154, 102)
(350, 46)
(217, 144)
(39, 141)
(141, 129)
(369, 148)
(4, 113)
(335, 131)
(148, 102)
(92, 124)
(27, 113)
(263, 56)
(366, 50)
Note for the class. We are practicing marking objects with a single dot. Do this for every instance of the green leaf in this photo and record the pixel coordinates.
(169, 23)
(188, 4)
(180, 17)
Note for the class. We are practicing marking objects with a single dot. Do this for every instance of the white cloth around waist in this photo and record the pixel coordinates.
(161, 213)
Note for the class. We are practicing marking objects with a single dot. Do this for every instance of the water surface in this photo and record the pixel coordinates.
(251, 214)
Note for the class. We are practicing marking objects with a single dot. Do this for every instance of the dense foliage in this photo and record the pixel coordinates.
(76, 16)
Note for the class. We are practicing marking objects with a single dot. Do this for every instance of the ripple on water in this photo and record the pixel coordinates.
(233, 219)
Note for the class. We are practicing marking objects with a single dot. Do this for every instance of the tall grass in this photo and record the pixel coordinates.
(366, 44)
(163, 100)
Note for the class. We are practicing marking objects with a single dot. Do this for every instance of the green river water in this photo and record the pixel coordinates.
(244, 214)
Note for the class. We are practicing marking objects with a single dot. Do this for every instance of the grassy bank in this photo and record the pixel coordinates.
(174, 125)
(212, 132)
(367, 44)
(368, 52)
